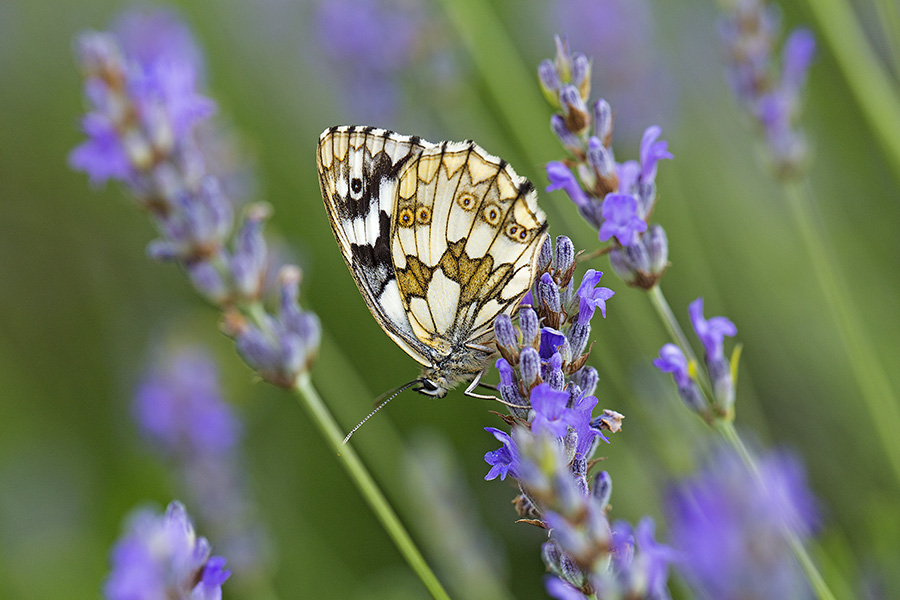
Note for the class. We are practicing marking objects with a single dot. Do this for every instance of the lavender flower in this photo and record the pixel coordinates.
(366, 63)
(711, 333)
(614, 198)
(749, 33)
(179, 406)
(160, 556)
(555, 434)
(727, 525)
(144, 110)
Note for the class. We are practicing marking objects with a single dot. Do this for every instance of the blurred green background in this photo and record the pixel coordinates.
(82, 308)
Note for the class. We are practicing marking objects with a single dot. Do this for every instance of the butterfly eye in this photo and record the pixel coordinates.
(424, 215)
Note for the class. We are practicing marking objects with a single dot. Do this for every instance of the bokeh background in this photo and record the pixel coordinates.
(82, 309)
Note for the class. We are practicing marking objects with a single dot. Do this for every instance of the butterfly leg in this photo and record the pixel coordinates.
(469, 390)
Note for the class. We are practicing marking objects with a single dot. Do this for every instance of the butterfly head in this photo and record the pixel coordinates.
(429, 387)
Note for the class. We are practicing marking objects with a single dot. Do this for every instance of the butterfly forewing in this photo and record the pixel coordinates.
(440, 238)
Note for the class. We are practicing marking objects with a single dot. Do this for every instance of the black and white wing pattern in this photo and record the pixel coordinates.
(440, 238)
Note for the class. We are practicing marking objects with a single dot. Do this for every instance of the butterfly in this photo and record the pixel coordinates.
(440, 239)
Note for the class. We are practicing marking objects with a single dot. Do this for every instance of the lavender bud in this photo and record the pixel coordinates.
(208, 281)
(569, 140)
(548, 292)
(528, 323)
(600, 158)
(603, 121)
(587, 378)
(505, 333)
(554, 374)
(578, 338)
(565, 254)
(722, 383)
(248, 262)
(693, 398)
(562, 60)
(578, 119)
(545, 258)
(602, 488)
(618, 260)
(530, 366)
(657, 248)
(581, 75)
(549, 79)
(638, 256)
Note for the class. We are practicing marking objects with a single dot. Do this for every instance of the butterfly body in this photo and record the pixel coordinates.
(440, 239)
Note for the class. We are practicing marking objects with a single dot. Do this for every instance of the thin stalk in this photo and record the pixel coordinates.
(889, 17)
(871, 378)
(875, 94)
(727, 430)
(670, 322)
(309, 399)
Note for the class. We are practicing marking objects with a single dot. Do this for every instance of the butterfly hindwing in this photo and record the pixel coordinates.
(464, 242)
(440, 239)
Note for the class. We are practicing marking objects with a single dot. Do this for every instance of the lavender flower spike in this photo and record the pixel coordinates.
(161, 557)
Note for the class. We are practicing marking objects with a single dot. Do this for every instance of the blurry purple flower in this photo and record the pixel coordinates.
(622, 219)
(672, 360)
(369, 44)
(157, 34)
(161, 557)
(652, 151)
(562, 590)
(102, 156)
(711, 332)
(551, 414)
(727, 526)
(179, 406)
(798, 53)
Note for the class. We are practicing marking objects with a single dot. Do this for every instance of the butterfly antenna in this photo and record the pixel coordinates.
(396, 392)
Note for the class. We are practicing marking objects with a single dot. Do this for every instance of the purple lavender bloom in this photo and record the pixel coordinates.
(797, 56)
(640, 564)
(551, 341)
(367, 63)
(727, 526)
(503, 460)
(622, 220)
(562, 590)
(592, 297)
(672, 360)
(652, 151)
(561, 178)
(157, 35)
(179, 406)
(711, 332)
(161, 557)
(102, 156)
(551, 414)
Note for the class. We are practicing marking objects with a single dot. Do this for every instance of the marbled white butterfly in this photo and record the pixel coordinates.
(440, 238)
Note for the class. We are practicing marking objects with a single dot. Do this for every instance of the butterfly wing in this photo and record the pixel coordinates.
(358, 175)
(464, 242)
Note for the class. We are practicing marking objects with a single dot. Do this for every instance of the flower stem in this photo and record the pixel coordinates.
(869, 83)
(727, 430)
(671, 323)
(870, 376)
(309, 398)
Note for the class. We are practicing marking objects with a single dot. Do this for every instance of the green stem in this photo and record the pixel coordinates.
(727, 430)
(889, 16)
(868, 81)
(671, 323)
(871, 378)
(309, 398)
